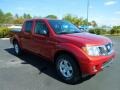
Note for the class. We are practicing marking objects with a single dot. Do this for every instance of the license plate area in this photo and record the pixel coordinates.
(107, 64)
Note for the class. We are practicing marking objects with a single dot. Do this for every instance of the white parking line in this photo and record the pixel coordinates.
(4, 38)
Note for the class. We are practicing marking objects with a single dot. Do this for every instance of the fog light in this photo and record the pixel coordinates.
(94, 68)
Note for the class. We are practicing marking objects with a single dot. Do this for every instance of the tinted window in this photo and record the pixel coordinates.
(40, 27)
(28, 26)
(63, 27)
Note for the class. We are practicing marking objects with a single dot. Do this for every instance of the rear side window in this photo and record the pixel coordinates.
(28, 26)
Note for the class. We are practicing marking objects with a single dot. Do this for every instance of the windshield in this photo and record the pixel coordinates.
(63, 27)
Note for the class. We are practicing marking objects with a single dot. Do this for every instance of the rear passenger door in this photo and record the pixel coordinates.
(27, 35)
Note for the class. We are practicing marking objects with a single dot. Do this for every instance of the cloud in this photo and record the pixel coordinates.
(110, 2)
(117, 12)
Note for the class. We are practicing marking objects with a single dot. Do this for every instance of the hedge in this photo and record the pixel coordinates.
(4, 32)
(98, 31)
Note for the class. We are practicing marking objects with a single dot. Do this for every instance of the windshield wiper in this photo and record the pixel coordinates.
(63, 33)
(76, 32)
(68, 32)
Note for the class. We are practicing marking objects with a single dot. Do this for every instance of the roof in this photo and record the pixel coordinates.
(41, 19)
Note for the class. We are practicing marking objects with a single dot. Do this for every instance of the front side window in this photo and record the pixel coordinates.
(40, 28)
(63, 27)
(28, 26)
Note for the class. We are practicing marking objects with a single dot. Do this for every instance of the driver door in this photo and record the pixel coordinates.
(39, 40)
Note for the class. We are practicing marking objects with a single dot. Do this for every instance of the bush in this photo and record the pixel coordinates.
(4, 32)
(98, 31)
(115, 30)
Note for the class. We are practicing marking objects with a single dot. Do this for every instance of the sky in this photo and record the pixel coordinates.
(104, 12)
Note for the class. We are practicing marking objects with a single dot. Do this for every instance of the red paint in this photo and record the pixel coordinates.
(48, 46)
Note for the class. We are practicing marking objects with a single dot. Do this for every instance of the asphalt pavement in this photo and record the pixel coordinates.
(30, 72)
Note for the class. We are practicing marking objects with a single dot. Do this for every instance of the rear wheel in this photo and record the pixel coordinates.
(68, 69)
(17, 49)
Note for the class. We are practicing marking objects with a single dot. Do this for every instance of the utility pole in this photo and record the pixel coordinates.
(88, 6)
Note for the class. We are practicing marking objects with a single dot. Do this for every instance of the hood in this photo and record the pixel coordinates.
(86, 38)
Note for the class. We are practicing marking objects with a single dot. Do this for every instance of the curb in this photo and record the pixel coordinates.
(4, 38)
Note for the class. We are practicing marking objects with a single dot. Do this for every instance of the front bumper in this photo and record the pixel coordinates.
(97, 64)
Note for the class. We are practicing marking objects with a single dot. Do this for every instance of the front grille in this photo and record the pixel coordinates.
(106, 49)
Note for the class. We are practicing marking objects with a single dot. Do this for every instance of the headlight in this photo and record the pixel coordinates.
(92, 50)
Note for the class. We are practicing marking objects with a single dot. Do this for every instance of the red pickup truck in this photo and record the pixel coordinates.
(73, 52)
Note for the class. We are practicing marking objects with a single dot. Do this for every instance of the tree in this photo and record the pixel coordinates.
(93, 23)
(8, 18)
(98, 31)
(27, 16)
(115, 30)
(1, 16)
(16, 16)
(85, 22)
(19, 20)
(73, 19)
(51, 16)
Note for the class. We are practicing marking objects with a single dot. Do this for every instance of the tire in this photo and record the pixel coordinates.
(17, 49)
(68, 69)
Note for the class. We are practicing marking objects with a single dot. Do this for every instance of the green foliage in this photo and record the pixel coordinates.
(93, 23)
(1, 16)
(4, 32)
(27, 16)
(75, 20)
(78, 21)
(51, 16)
(98, 31)
(5, 18)
(19, 20)
(8, 18)
(115, 30)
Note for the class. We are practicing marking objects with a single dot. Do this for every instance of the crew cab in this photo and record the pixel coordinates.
(74, 53)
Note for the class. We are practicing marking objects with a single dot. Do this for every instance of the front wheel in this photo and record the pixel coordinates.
(68, 69)
(17, 48)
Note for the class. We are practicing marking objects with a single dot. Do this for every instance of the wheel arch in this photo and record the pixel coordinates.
(14, 40)
(68, 53)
